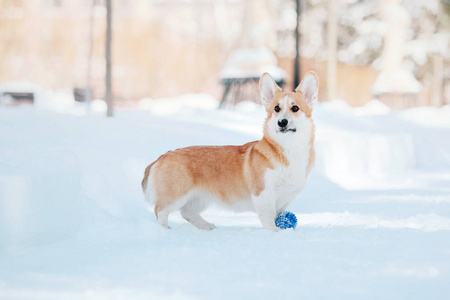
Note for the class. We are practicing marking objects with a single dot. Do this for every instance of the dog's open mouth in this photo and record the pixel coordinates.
(284, 130)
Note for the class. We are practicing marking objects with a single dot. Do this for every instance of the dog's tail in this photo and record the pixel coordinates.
(145, 182)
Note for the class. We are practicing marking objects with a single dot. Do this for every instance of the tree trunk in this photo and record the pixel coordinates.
(438, 80)
(108, 94)
(332, 50)
(88, 92)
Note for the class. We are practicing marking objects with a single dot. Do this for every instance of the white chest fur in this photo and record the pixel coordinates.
(286, 182)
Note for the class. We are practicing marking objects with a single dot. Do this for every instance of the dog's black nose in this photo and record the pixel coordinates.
(282, 122)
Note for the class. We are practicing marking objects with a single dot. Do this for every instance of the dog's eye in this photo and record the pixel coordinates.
(277, 108)
(295, 108)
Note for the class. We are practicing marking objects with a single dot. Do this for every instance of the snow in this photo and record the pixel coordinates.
(374, 218)
(396, 82)
(252, 63)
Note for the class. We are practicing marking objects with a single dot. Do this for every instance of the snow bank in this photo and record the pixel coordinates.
(185, 105)
(370, 143)
(396, 82)
(40, 197)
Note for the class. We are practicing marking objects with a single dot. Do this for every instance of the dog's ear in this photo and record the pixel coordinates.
(267, 88)
(309, 87)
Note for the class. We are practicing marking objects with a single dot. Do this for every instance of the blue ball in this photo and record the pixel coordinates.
(286, 220)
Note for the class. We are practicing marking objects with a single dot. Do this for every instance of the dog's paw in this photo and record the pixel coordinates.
(273, 228)
(207, 226)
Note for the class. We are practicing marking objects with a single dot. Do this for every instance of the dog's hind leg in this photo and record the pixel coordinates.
(163, 217)
(191, 213)
(162, 211)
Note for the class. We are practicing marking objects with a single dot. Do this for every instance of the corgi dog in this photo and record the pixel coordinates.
(263, 176)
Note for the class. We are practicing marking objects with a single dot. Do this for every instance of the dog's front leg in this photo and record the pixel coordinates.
(265, 207)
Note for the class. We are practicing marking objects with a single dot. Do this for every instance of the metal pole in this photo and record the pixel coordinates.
(108, 94)
(297, 47)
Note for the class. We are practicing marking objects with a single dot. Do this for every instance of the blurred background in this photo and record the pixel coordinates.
(395, 51)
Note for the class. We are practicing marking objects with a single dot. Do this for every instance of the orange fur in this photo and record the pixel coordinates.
(312, 151)
(231, 173)
(298, 99)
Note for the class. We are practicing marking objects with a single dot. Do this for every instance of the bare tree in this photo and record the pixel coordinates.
(108, 94)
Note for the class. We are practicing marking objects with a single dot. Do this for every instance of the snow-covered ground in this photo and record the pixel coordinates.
(374, 219)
